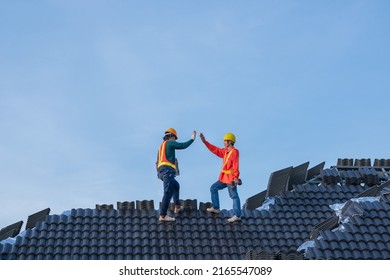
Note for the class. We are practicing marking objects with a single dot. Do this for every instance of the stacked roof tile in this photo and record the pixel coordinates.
(323, 216)
(365, 235)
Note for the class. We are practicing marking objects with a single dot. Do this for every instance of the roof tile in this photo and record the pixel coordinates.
(130, 232)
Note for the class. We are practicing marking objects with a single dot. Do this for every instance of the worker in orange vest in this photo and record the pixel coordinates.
(229, 175)
(167, 169)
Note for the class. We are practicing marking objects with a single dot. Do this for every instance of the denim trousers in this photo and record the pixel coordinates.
(171, 188)
(217, 186)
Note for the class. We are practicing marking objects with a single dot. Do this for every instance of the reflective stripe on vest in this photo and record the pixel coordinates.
(225, 160)
(162, 159)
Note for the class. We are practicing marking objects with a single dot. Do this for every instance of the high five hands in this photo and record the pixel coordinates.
(202, 137)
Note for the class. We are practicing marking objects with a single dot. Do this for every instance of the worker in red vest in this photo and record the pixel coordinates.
(167, 169)
(229, 175)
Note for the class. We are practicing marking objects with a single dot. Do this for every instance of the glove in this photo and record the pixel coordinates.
(193, 135)
(202, 137)
(236, 183)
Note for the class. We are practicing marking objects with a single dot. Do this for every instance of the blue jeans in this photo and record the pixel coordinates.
(232, 193)
(171, 188)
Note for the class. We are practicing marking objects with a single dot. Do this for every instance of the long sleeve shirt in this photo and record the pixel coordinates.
(230, 162)
(173, 145)
(170, 147)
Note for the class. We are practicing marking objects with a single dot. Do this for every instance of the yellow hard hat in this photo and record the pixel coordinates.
(171, 131)
(230, 136)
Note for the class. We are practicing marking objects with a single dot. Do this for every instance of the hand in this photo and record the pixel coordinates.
(237, 182)
(193, 135)
(202, 137)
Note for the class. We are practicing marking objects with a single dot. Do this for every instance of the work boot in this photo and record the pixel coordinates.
(234, 219)
(213, 210)
(166, 219)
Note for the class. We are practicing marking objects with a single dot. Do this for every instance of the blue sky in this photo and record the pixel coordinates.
(87, 89)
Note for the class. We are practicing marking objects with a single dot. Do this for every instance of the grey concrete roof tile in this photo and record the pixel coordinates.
(137, 234)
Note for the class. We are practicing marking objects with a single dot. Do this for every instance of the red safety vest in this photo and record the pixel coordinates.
(162, 159)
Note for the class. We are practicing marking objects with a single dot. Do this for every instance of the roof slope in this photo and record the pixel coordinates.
(322, 219)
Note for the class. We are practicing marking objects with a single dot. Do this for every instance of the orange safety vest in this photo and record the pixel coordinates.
(225, 160)
(162, 159)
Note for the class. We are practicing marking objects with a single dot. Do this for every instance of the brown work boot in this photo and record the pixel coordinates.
(213, 210)
(166, 219)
